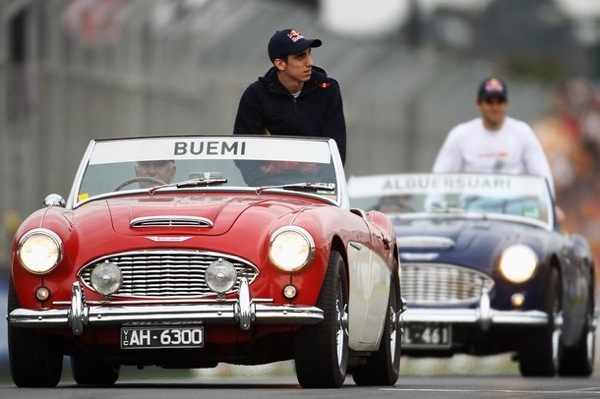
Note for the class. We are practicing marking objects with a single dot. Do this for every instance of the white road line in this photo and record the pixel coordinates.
(581, 391)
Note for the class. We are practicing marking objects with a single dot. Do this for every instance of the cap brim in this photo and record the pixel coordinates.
(487, 96)
(315, 43)
(308, 43)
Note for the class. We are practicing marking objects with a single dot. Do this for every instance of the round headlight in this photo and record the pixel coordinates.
(220, 276)
(40, 251)
(518, 263)
(107, 278)
(291, 249)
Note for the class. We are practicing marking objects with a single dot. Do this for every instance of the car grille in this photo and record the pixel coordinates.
(442, 284)
(167, 273)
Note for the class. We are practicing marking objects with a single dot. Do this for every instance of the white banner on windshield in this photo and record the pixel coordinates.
(482, 184)
(243, 148)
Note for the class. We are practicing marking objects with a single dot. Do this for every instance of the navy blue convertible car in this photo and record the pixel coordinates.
(487, 270)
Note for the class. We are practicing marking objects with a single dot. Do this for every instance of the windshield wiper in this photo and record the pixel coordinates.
(309, 187)
(449, 209)
(191, 183)
(201, 182)
(444, 207)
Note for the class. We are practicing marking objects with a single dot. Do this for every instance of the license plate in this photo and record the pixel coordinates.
(162, 337)
(427, 335)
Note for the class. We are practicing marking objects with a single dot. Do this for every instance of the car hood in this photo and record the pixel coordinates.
(459, 234)
(204, 215)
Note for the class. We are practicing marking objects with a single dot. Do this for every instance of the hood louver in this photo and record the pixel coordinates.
(171, 221)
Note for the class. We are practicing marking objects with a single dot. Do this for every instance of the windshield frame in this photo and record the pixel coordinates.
(530, 193)
(217, 147)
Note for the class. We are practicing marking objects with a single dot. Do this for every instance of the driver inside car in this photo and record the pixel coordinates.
(156, 172)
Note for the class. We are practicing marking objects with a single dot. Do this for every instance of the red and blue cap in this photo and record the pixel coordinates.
(492, 88)
(289, 41)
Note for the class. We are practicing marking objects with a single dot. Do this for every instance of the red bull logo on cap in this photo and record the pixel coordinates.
(494, 85)
(294, 35)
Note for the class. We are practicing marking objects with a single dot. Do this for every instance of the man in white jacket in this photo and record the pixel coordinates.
(494, 142)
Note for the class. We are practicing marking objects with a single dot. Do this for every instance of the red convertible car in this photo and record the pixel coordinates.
(184, 252)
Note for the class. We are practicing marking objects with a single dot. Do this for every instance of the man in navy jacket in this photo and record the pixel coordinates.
(294, 97)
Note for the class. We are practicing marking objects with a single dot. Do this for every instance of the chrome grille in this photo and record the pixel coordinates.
(442, 284)
(167, 273)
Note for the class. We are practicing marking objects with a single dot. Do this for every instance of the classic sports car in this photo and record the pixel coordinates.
(184, 252)
(486, 269)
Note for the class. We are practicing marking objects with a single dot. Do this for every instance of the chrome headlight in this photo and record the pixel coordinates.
(518, 263)
(107, 278)
(40, 251)
(291, 248)
(220, 276)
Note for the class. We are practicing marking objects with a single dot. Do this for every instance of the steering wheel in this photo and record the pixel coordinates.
(138, 180)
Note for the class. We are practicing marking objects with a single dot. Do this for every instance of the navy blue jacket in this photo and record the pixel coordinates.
(267, 106)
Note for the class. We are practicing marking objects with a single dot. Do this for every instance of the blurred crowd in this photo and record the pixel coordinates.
(570, 134)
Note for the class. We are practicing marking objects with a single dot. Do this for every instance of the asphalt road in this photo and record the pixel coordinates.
(414, 387)
(280, 383)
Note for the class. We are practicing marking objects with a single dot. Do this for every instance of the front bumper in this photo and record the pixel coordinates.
(244, 311)
(483, 315)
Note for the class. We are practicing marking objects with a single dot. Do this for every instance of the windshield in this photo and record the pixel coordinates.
(493, 194)
(156, 164)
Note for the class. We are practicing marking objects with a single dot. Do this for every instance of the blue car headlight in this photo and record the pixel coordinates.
(291, 248)
(518, 263)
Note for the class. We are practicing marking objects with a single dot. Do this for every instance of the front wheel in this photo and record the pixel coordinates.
(579, 360)
(321, 350)
(89, 369)
(540, 351)
(383, 367)
(35, 359)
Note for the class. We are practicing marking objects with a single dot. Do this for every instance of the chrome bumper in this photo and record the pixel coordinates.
(484, 315)
(244, 312)
(473, 316)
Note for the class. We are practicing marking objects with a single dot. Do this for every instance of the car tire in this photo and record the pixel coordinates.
(383, 367)
(321, 350)
(35, 360)
(540, 351)
(579, 360)
(88, 369)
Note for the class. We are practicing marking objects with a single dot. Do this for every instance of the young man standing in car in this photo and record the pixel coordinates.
(294, 97)
(494, 142)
